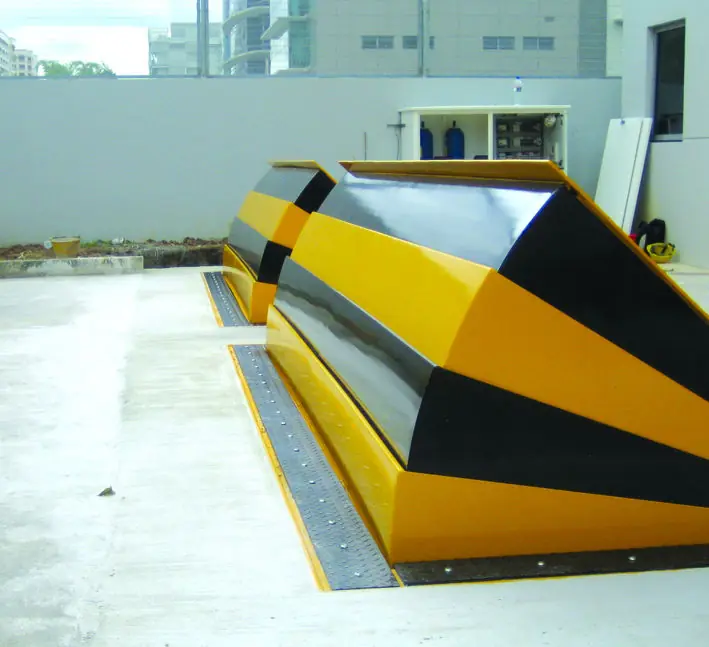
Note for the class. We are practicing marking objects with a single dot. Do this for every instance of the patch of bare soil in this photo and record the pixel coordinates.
(190, 252)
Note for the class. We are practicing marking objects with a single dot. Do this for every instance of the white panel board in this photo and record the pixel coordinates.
(622, 169)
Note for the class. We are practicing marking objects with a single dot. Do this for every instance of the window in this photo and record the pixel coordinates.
(549, 18)
(432, 42)
(669, 81)
(538, 44)
(377, 42)
(410, 42)
(498, 42)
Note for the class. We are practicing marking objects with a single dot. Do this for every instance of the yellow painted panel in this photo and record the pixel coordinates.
(370, 471)
(440, 517)
(275, 219)
(509, 170)
(419, 517)
(514, 340)
(420, 294)
(240, 280)
(262, 297)
(253, 296)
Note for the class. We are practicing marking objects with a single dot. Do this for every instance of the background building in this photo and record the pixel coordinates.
(246, 51)
(6, 49)
(173, 51)
(16, 62)
(433, 37)
(24, 63)
(664, 77)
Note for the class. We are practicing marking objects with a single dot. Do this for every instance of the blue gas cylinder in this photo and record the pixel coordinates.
(426, 143)
(455, 143)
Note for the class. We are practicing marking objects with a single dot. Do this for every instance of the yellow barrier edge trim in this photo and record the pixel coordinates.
(241, 265)
(529, 171)
(307, 164)
(213, 305)
(237, 298)
(316, 567)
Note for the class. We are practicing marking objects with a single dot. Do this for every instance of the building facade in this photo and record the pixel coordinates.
(173, 51)
(24, 63)
(421, 37)
(6, 51)
(246, 51)
(16, 62)
(664, 77)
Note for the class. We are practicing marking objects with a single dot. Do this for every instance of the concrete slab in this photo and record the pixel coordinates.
(126, 381)
(89, 266)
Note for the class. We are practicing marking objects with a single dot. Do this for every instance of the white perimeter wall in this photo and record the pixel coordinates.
(169, 158)
(675, 181)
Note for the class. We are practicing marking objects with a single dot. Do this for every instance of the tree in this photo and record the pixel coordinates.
(75, 68)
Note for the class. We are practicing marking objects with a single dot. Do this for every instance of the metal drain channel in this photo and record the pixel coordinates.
(224, 300)
(347, 552)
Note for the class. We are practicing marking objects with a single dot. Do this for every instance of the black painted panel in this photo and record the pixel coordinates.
(264, 257)
(385, 374)
(288, 183)
(314, 194)
(467, 428)
(571, 260)
(479, 222)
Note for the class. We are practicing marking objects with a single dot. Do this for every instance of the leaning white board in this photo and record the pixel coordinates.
(622, 169)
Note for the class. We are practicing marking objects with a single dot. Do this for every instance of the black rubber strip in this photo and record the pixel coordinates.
(347, 552)
(227, 306)
(557, 565)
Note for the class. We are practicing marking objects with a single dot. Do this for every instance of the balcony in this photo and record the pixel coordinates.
(243, 14)
(282, 25)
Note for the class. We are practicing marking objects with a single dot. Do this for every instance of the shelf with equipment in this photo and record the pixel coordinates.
(489, 132)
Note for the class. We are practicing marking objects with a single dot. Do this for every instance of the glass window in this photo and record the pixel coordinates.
(377, 42)
(498, 42)
(506, 42)
(535, 43)
(669, 81)
(432, 42)
(410, 42)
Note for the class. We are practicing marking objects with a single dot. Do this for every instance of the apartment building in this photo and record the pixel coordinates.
(24, 63)
(246, 50)
(6, 51)
(173, 51)
(16, 62)
(421, 37)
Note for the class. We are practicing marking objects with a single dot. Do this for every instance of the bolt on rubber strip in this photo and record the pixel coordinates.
(347, 552)
(224, 300)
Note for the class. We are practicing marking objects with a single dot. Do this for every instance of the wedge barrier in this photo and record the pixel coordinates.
(495, 367)
(265, 230)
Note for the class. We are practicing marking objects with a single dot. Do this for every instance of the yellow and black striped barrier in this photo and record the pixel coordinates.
(266, 228)
(495, 367)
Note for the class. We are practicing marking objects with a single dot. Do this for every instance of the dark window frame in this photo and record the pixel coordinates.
(377, 42)
(499, 43)
(670, 126)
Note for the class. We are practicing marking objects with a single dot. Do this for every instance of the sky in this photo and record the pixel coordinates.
(114, 32)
